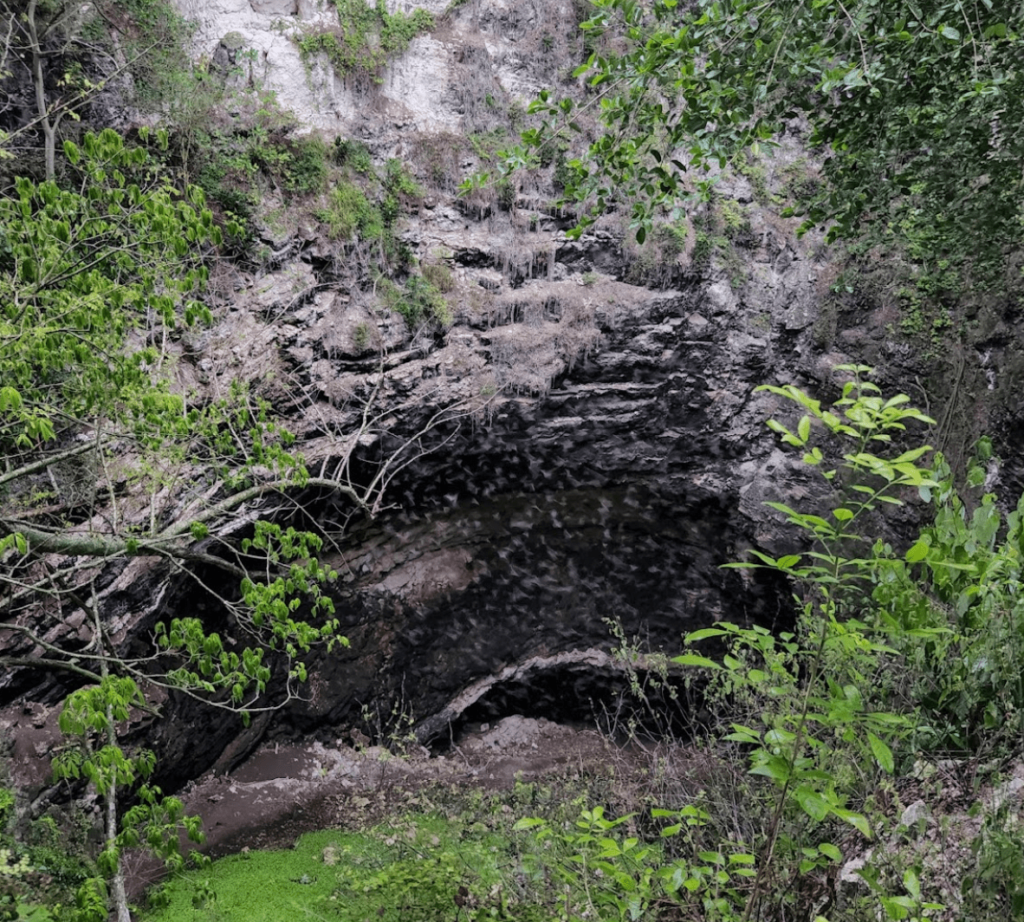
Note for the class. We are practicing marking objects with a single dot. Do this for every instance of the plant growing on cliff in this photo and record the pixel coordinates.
(366, 37)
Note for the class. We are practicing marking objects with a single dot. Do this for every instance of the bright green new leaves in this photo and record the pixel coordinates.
(953, 606)
(82, 273)
(91, 712)
(96, 280)
(627, 879)
(212, 667)
(155, 823)
(88, 720)
(268, 616)
(242, 439)
(107, 460)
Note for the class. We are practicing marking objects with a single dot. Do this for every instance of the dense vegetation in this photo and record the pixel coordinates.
(902, 659)
(912, 110)
(914, 103)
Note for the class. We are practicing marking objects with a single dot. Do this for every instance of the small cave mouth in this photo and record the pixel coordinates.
(622, 703)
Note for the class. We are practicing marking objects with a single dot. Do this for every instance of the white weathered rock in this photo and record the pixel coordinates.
(850, 872)
(916, 813)
(275, 7)
(431, 88)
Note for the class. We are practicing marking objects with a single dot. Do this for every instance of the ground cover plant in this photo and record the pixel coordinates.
(423, 866)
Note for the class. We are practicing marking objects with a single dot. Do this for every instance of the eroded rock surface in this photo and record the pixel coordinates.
(600, 451)
(475, 49)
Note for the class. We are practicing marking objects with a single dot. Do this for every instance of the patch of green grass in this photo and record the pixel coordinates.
(348, 212)
(735, 221)
(438, 275)
(365, 206)
(355, 154)
(755, 173)
(306, 173)
(486, 144)
(800, 183)
(655, 259)
(417, 301)
(419, 866)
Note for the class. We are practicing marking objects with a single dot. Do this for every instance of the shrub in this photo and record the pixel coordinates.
(801, 704)
(349, 212)
(353, 154)
(439, 276)
(306, 173)
(417, 301)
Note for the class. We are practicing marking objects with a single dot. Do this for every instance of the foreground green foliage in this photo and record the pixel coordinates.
(81, 274)
(98, 283)
(418, 866)
(896, 658)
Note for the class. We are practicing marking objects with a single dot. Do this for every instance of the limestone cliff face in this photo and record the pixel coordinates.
(612, 454)
(475, 47)
(604, 452)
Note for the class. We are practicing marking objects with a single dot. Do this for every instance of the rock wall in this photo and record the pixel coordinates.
(475, 46)
(603, 451)
(611, 456)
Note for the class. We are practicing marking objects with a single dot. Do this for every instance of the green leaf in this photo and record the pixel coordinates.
(830, 851)
(857, 820)
(912, 884)
(742, 736)
(704, 634)
(881, 752)
(917, 552)
(775, 767)
(692, 659)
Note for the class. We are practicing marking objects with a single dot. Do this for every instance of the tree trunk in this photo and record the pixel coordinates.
(49, 128)
(117, 890)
